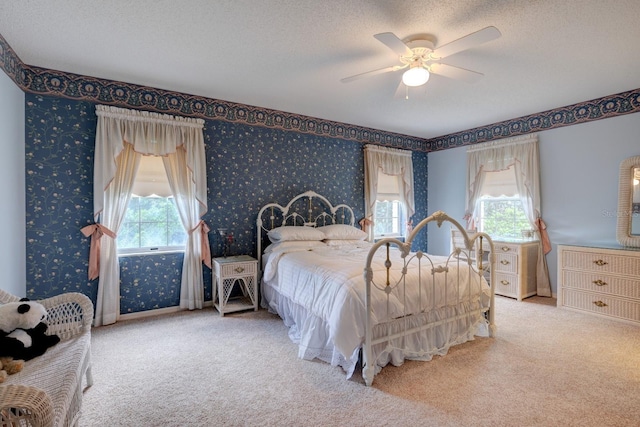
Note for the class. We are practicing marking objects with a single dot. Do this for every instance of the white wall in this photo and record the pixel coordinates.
(579, 183)
(12, 192)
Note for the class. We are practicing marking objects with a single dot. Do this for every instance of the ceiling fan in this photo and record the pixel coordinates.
(420, 57)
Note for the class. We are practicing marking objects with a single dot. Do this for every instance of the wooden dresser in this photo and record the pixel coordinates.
(601, 281)
(516, 264)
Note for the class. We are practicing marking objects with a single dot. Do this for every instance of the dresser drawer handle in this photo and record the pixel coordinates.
(505, 262)
(600, 262)
(505, 248)
(600, 304)
(599, 283)
(504, 282)
(239, 269)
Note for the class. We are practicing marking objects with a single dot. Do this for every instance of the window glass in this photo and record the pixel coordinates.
(151, 223)
(388, 219)
(502, 217)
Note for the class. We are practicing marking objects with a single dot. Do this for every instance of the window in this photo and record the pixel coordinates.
(152, 222)
(388, 215)
(388, 219)
(502, 217)
(499, 211)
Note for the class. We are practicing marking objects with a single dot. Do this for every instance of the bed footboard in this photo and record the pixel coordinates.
(449, 303)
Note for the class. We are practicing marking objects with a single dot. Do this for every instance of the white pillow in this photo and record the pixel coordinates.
(289, 232)
(349, 243)
(342, 232)
(294, 245)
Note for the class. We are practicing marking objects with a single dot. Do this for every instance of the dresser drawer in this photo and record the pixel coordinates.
(602, 283)
(506, 248)
(507, 285)
(600, 262)
(601, 304)
(507, 263)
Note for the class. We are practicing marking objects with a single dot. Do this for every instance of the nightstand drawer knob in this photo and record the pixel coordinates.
(505, 248)
(599, 283)
(504, 262)
(504, 282)
(600, 262)
(600, 304)
(239, 269)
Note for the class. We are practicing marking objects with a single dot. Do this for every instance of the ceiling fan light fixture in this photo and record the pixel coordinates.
(415, 76)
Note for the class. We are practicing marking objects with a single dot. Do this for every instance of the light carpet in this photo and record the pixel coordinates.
(546, 367)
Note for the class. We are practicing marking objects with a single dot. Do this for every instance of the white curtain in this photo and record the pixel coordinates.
(122, 137)
(183, 188)
(521, 153)
(389, 161)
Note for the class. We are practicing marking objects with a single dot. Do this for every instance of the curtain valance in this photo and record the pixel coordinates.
(150, 134)
(389, 161)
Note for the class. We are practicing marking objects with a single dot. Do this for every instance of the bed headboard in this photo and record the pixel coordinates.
(308, 209)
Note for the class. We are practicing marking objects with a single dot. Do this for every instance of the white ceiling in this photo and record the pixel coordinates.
(290, 55)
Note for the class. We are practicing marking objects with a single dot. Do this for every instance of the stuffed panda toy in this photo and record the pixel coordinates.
(23, 331)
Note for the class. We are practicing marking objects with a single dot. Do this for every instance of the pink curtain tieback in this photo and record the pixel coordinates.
(96, 231)
(204, 240)
(471, 224)
(365, 223)
(544, 236)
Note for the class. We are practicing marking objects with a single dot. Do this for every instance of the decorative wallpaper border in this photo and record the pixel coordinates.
(583, 112)
(73, 86)
(42, 81)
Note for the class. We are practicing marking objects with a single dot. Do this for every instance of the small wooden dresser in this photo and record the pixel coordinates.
(604, 281)
(516, 263)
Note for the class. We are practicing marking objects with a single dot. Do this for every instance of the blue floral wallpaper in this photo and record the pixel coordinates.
(247, 167)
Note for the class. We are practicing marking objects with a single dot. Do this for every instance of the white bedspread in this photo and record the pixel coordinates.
(328, 285)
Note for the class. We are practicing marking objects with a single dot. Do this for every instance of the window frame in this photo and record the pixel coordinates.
(481, 218)
(400, 220)
(148, 250)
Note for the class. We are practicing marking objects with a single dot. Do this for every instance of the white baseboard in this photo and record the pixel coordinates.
(157, 312)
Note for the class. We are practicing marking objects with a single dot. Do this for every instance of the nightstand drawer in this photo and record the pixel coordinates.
(507, 285)
(239, 269)
(601, 304)
(506, 248)
(507, 262)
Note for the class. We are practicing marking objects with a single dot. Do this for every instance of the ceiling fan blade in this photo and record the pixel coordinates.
(372, 73)
(456, 73)
(394, 43)
(467, 42)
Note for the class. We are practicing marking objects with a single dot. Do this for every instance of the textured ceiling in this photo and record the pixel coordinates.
(290, 55)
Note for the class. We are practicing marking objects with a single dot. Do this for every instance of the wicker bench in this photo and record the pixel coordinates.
(48, 391)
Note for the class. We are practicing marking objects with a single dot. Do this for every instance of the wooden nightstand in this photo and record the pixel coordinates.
(516, 264)
(235, 272)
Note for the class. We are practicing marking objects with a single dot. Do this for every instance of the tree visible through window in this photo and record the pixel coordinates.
(502, 217)
(151, 223)
(388, 219)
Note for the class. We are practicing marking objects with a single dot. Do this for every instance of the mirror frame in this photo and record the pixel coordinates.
(625, 188)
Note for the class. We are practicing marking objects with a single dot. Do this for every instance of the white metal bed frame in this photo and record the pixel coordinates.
(325, 213)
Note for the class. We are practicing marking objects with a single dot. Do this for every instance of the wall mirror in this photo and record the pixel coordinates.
(628, 230)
